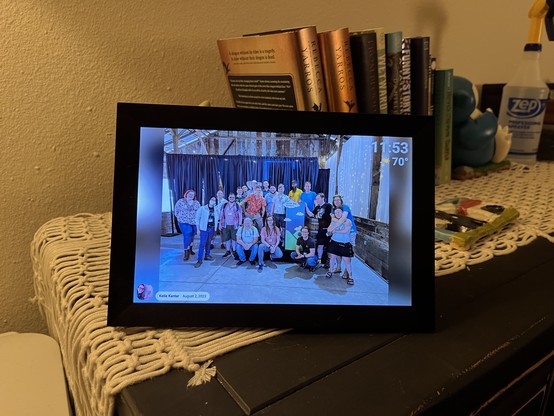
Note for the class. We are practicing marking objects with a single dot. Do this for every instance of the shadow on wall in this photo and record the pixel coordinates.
(431, 18)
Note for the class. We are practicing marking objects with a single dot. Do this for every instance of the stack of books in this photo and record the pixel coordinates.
(366, 71)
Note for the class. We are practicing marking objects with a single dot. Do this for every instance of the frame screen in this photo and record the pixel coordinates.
(335, 252)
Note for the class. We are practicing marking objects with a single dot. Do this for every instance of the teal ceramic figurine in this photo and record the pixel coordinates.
(477, 138)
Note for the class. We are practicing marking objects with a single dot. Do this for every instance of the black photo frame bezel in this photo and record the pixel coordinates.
(123, 311)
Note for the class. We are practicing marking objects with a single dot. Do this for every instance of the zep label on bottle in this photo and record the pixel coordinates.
(525, 117)
(525, 108)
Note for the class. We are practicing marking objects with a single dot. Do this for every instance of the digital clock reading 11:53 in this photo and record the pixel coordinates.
(394, 148)
(397, 150)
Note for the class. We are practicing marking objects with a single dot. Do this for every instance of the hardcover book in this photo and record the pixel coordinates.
(393, 49)
(366, 74)
(312, 66)
(420, 67)
(381, 65)
(442, 104)
(406, 82)
(338, 70)
(265, 71)
(432, 67)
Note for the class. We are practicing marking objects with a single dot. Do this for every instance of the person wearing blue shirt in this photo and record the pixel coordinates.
(269, 199)
(338, 202)
(340, 248)
(265, 188)
(207, 220)
(247, 242)
(308, 196)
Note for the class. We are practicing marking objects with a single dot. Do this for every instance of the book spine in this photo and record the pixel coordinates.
(393, 42)
(432, 68)
(366, 78)
(420, 65)
(338, 70)
(382, 68)
(316, 96)
(443, 80)
(405, 82)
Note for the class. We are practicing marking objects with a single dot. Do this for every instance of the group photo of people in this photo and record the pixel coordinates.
(260, 225)
(250, 224)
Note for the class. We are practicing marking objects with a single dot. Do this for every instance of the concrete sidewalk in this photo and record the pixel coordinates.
(279, 282)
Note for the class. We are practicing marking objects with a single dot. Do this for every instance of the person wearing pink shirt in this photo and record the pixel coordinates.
(270, 238)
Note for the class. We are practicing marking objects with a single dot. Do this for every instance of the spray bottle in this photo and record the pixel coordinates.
(524, 98)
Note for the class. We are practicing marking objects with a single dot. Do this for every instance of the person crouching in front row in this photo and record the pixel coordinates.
(247, 242)
(207, 217)
(304, 253)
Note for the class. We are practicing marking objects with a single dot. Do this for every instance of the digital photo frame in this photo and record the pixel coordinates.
(343, 258)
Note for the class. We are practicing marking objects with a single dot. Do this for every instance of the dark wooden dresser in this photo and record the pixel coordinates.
(491, 354)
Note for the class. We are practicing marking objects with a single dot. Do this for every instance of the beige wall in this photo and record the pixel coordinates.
(65, 64)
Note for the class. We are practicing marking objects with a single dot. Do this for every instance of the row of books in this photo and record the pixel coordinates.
(368, 71)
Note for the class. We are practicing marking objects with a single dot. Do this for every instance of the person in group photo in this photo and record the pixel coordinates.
(308, 196)
(245, 191)
(340, 247)
(239, 196)
(278, 210)
(220, 200)
(269, 199)
(338, 202)
(254, 206)
(185, 212)
(247, 242)
(265, 187)
(252, 186)
(270, 238)
(304, 253)
(322, 212)
(230, 221)
(207, 217)
(295, 191)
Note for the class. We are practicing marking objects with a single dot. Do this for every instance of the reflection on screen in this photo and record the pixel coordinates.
(273, 218)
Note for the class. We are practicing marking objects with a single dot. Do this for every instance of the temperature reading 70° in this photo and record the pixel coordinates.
(399, 161)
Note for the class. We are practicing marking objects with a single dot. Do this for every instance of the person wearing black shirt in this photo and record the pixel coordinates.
(322, 211)
(304, 253)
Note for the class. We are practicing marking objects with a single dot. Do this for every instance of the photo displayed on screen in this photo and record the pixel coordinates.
(273, 218)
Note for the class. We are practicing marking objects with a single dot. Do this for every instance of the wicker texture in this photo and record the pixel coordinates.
(530, 189)
(71, 267)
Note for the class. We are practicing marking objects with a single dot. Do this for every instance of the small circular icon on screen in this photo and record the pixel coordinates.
(144, 291)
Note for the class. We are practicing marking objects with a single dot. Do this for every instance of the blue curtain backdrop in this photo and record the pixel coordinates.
(205, 174)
